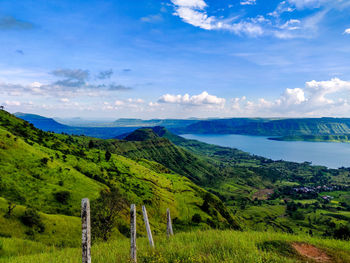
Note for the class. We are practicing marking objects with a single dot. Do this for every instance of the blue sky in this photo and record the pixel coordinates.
(175, 58)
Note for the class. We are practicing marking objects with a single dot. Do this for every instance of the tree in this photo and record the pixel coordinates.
(104, 213)
(44, 161)
(10, 208)
(196, 218)
(62, 197)
(342, 232)
(91, 144)
(108, 156)
(32, 219)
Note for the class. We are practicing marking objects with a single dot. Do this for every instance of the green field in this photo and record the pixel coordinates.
(204, 246)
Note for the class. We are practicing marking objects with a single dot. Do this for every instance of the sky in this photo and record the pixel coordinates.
(175, 58)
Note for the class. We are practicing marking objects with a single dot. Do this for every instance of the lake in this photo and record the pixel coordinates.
(330, 154)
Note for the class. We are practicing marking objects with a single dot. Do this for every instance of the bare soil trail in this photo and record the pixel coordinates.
(311, 252)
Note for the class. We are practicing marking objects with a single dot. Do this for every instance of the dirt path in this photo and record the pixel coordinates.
(311, 252)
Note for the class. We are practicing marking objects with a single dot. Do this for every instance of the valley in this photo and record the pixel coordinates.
(45, 175)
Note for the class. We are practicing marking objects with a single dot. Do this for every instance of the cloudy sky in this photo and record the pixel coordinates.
(175, 58)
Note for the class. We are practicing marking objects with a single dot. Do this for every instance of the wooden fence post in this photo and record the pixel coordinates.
(148, 228)
(169, 225)
(86, 231)
(133, 255)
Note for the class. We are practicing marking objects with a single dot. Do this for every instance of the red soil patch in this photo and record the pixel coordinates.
(311, 252)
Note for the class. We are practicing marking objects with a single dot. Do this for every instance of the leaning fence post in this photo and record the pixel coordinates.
(169, 225)
(133, 255)
(86, 231)
(149, 233)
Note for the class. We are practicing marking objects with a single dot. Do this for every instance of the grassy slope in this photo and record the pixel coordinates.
(144, 143)
(60, 230)
(219, 246)
(72, 166)
(27, 181)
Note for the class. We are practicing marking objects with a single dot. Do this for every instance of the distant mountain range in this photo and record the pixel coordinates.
(244, 126)
(271, 127)
(127, 122)
(49, 124)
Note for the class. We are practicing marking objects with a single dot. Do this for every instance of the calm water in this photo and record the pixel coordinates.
(330, 154)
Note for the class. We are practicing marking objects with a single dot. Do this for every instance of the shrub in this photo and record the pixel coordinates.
(343, 232)
(196, 218)
(108, 156)
(44, 161)
(62, 197)
(32, 219)
(6, 235)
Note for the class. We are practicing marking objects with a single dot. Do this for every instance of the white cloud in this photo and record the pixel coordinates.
(347, 31)
(196, 100)
(119, 103)
(317, 98)
(301, 4)
(130, 100)
(193, 12)
(72, 83)
(196, 13)
(64, 100)
(293, 96)
(153, 104)
(305, 28)
(248, 2)
(200, 4)
(320, 89)
(152, 18)
(12, 103)
(291, 24)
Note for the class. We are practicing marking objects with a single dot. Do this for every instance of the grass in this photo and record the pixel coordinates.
(198, 246)
(60, 230)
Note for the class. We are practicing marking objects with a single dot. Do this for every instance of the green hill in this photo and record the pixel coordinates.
(205, 186)
(38, 168)
(271, 127)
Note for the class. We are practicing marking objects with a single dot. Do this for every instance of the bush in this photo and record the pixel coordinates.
(44, 161)
(32, 219)
(343, 232)
(62, 197)
(108, 156)
(6, 235)
(196, 218)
